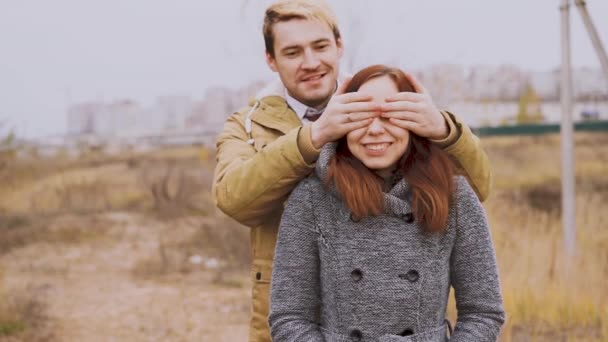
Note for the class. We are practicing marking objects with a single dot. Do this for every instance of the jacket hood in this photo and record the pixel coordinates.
(396, 201)
(274, 88)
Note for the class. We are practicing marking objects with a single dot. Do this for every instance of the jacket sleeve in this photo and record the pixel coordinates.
(465, 148)
(295, 293)
(249, 184)
(474, 272)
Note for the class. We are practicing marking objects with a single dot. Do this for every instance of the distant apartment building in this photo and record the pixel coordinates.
(446, 82)
(480, 94)
(174, 110)
(589, 83)
(477, 114)
(210, 113)
(487, 83)
(105, 119)
(81, 117)
(546, 84)
(219, 103)
(117, 117)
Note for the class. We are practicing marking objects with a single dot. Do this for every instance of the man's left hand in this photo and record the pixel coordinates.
(416, 112)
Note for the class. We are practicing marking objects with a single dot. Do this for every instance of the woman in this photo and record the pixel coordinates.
(370, 244)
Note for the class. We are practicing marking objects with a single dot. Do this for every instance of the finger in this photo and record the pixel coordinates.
(418, 87)
(360, 107)
(353, 97)
(405, 124)
(406, 96)
(358, 116)
(342, 88)
(351, 126)
(403, 115)
(402, 106)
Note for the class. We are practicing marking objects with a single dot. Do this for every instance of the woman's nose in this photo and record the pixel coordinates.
(376, 127)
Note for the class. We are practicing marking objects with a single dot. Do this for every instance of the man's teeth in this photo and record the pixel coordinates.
(377, 147)
(314, 78)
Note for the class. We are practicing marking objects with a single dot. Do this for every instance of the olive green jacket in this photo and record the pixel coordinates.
(264, 151)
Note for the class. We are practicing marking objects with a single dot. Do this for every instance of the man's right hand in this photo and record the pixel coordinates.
(344, 113)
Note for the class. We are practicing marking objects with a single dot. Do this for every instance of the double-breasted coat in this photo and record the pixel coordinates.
(382, 278)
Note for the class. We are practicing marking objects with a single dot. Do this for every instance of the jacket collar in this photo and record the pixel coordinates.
(273, 111)
(396, 201)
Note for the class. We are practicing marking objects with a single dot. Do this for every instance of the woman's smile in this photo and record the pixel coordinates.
(376, 149)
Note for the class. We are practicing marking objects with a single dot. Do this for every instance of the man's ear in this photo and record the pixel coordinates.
(272, 63)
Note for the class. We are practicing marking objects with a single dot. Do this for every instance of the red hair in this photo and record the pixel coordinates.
(426, 168)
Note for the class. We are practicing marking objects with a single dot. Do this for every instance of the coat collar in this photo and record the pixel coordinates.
(396, 201)
(273, 112)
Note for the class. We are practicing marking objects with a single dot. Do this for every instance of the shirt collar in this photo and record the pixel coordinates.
(298, 106)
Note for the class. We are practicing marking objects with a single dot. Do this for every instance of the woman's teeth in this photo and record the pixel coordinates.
(377, 147)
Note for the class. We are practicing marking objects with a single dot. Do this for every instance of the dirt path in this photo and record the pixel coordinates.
(91, 293)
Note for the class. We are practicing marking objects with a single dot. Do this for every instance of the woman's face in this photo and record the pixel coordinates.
(380, 145)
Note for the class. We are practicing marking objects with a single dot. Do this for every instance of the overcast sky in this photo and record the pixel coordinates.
(53, 53)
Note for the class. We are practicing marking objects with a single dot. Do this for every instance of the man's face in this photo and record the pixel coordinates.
(306, 56)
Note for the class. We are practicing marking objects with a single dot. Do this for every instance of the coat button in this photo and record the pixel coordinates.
(258, 276)
(407, 332)
(356, 274)
(354, 218)
(356, 335)
(412, 276)
(409, 217)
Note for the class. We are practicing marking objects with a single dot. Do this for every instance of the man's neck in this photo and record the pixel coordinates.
(315, 105)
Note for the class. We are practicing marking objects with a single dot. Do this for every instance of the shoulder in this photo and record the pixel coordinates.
(307, 193)
(463, 190)
(240, 114)
(304, 201)
(309, 186)
(466, 204)
(237, 121)
(465, 201)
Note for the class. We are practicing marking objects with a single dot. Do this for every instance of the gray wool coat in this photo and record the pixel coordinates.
(382, 278)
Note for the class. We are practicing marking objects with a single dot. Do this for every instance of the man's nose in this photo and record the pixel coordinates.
(376, 127)
(311, 60)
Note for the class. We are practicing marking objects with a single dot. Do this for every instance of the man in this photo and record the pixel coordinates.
(266, 148)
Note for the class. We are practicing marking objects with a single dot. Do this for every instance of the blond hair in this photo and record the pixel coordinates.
(285, 10)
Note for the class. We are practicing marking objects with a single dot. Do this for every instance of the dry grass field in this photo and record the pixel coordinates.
(549, 297)
(131, 248)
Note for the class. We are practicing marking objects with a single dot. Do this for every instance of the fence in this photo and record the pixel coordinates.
(537, 129)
